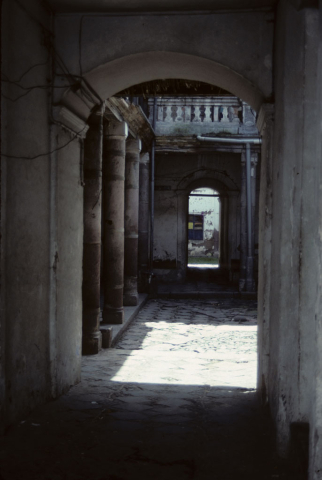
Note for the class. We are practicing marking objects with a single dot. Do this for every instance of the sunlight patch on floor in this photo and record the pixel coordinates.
(229, 359)
(202, 265)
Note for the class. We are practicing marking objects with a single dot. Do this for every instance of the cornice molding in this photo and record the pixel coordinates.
(65, 118)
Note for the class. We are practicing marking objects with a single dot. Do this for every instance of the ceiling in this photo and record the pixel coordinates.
(122, 6)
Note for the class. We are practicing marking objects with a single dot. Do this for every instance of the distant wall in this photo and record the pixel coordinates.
(176, 175)
(209, 208)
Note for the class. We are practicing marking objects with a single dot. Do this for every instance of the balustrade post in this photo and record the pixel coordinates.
(225, 118)
(216, 112)
(207, 118)
(197, 114)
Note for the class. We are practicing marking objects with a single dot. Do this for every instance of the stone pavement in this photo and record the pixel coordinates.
(174, 400)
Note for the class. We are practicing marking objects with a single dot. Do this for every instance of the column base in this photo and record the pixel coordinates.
(114, 316)
(130, 299)
(91, 344)
(242, 282)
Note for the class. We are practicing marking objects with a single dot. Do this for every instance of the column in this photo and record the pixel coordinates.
(143, 244)
(265, 124)
(115, 135)
(233, 232)
(250, 284)
(243, 224)
(92, 338)
(131, 222)
(182, 234)
(254, 162)
(223, 248)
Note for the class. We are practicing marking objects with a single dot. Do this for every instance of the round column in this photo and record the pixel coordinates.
(243, 224)
(143, 244)
(115, 134)
(131, 222)
(92, 338)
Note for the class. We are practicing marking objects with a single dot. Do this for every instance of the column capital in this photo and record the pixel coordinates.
(116, 129)
(65, 118)
(265, 116)
(133, 145)
(145, 158)
(96, 115)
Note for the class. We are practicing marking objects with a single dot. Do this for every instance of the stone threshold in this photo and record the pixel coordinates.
(111, 333)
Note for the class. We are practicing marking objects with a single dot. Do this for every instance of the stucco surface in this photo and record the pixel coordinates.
(231, 50)
(176, 175)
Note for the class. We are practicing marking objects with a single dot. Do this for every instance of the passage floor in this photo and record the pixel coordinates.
(175, 399)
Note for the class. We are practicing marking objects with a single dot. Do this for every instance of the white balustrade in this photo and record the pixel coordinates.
(207, 118)
(216, 112)
(180, 114)
(225, 118)
(187, 113)
(197, 114)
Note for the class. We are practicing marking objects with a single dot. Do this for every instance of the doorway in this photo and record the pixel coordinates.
(203, 228)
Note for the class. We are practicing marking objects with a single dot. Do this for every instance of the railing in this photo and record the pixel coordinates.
(194, 115)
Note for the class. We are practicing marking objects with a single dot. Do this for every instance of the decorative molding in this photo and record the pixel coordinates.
(116, 129)
(265, 116)
(65, 118)
(145, 158)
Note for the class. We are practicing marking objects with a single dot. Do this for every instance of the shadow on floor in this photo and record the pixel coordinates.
(114, 426)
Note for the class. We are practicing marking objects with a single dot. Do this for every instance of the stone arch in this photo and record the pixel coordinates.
(112, 77)
(207, 178)
(203, 177)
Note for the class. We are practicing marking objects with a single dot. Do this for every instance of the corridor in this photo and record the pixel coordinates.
(174, 400)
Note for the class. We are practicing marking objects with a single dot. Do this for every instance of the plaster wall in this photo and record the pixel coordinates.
(69, 265)
(41, 224)
(24, 214)
(294, 222)
(242, 42)
(175, 176)
(315, 442)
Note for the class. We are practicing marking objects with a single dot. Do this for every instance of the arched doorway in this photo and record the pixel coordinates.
(203, 228)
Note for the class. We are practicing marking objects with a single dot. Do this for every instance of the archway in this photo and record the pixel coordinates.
(117, 75)
(203, 228)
